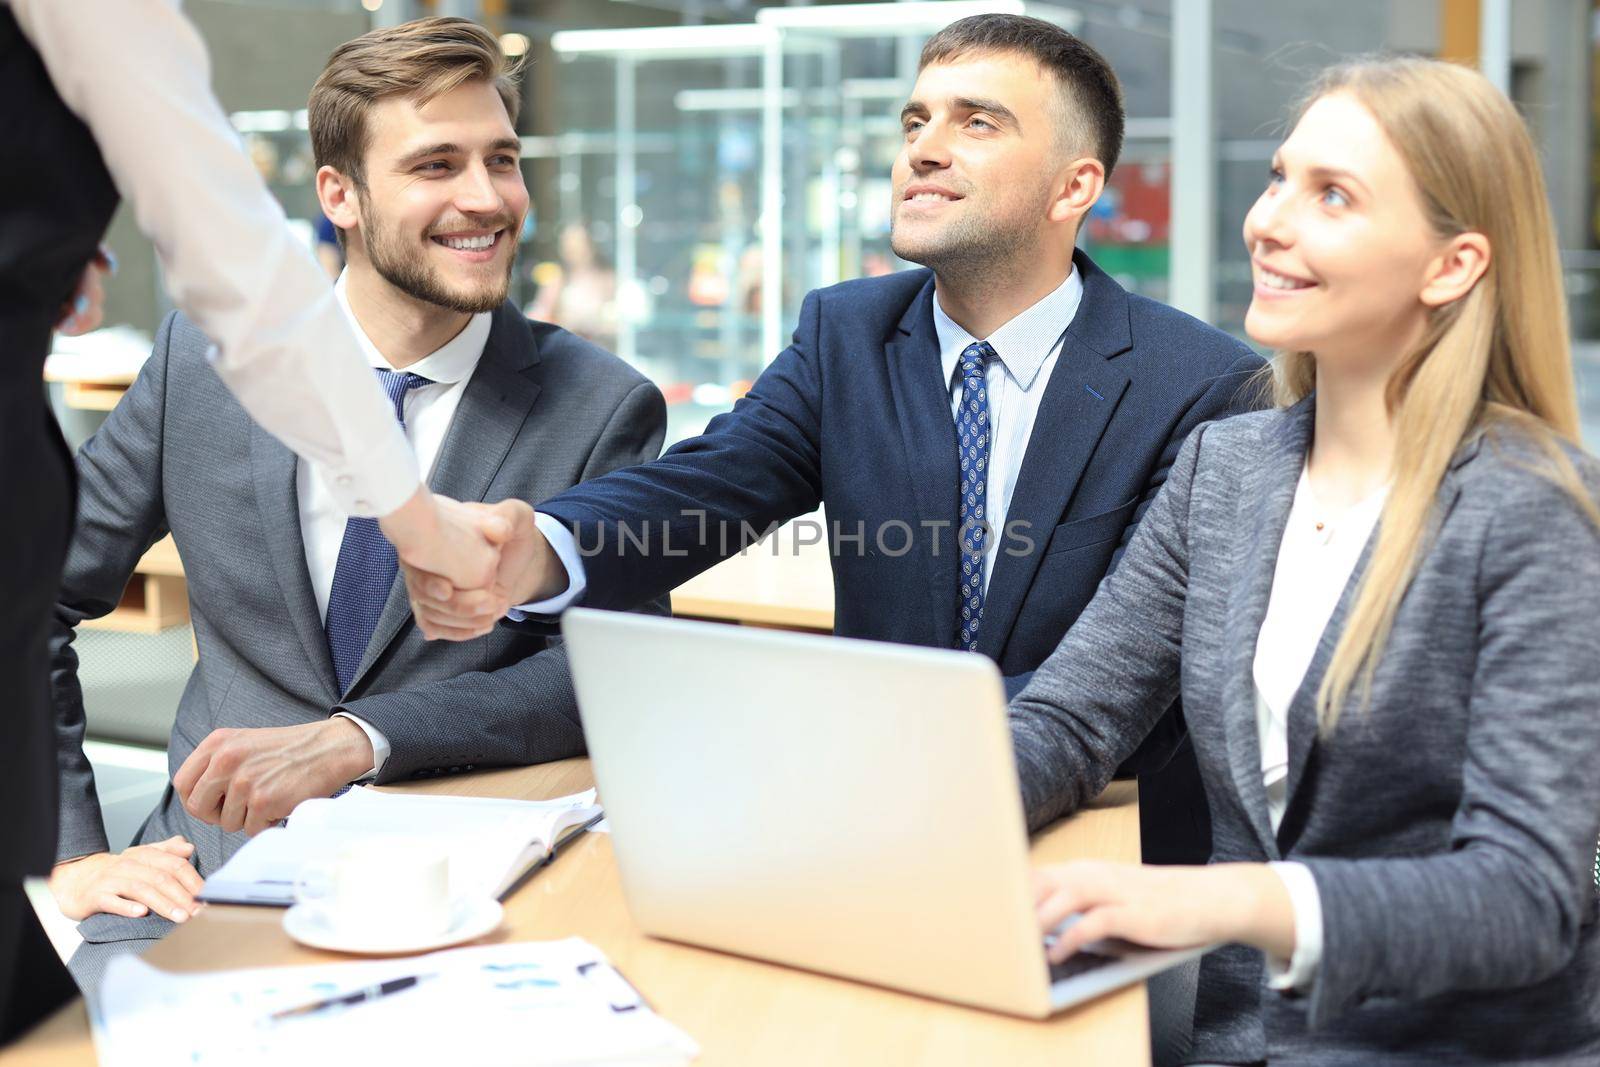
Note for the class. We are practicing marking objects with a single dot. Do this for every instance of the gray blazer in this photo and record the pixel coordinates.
(1450, 828)
(543, 411)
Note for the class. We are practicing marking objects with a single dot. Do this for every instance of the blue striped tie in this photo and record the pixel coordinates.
(367, 564)
(973, 430)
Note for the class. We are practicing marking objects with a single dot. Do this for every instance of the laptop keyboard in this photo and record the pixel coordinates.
(1078, 963)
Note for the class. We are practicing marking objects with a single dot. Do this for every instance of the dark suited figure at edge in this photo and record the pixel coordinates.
(91, 89)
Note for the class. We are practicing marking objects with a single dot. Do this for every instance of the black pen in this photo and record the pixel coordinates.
(371, 992)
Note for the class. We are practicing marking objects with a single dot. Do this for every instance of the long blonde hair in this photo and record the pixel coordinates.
(1498, 355)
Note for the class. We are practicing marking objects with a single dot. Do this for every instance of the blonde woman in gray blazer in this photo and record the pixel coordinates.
(1379, 604)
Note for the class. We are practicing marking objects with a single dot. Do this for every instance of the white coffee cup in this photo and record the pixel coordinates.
(381, 890)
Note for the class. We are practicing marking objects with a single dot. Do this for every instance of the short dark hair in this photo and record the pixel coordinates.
(1093, 97)
(420, 59)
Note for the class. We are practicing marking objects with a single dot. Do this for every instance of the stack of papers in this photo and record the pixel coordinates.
(491, 842)
(553, 1002)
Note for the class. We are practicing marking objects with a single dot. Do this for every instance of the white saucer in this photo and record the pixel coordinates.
(469, 919)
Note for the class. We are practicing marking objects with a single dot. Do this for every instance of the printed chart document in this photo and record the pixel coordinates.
(531, 1002)
(492, 843)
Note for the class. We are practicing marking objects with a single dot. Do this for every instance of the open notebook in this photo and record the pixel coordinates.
(492, 843)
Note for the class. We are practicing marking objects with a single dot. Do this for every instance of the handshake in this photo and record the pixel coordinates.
(466, 564)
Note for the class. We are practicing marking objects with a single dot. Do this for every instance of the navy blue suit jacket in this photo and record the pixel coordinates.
(855, 415)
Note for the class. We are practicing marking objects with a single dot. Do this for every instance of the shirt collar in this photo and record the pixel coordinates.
(451, 362)
(1022, 344)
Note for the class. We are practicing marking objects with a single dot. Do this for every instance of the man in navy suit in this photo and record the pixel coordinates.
(984, 434)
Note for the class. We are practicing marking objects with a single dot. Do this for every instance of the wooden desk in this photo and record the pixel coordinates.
(157, 596)
(742, 1012)
(779, 584)
(99, 392)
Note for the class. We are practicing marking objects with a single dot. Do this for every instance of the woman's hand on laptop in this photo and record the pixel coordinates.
(1165, 907)
(157, 877)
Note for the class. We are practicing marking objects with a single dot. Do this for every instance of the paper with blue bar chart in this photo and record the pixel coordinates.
(535, 1003)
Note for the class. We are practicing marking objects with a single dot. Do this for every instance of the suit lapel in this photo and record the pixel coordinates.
(1266, 493)
(1078, 403)
(1301, 721)
(494, 406)
(1303, 726)
(273, 469)
(927, 430)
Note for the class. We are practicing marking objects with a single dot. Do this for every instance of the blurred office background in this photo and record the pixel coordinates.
(697, 166)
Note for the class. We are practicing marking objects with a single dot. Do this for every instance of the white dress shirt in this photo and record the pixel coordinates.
(1318, 554)
(1027, 346)
(136, 73)
(429, 410)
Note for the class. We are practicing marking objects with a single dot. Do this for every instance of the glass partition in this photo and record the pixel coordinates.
(661, 207)
(1265, 56)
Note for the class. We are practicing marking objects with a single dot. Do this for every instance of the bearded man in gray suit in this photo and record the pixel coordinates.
(310, 674)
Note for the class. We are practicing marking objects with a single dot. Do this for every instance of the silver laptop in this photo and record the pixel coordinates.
(849, 807)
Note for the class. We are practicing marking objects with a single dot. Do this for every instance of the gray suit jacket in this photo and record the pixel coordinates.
(1450, 827)
(543, 411)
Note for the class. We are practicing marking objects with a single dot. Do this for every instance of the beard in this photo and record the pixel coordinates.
(971, 245)
(397, 263)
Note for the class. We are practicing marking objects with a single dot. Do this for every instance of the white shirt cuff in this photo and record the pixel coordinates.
(378, 484)
(1300, 971)
(566, 550)
(380, 744)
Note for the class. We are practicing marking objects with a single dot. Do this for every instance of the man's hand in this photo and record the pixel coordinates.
(458, 542)
(249, 779)
(134, 882)
(529, 570)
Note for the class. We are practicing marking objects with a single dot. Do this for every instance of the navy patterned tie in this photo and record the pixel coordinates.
(367, 564)
(972, 430)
